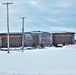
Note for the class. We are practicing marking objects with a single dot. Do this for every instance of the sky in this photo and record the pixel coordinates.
(41, 15)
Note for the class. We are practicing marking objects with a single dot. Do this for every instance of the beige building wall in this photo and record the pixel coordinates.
(63, 38)
(15, 40)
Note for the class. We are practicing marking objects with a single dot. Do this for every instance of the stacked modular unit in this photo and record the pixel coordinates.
(63, 38)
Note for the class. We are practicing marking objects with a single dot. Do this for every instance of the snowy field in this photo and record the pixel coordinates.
(48, 61)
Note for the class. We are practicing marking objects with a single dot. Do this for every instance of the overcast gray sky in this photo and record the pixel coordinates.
(44, 15)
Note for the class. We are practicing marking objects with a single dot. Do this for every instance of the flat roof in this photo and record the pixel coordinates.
(36, 32)
(64, 32)
(15, 33)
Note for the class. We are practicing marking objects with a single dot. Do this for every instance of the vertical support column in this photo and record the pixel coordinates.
(7, 24)
(23, 32)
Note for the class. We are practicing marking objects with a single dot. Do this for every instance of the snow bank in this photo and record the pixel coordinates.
(50, 60)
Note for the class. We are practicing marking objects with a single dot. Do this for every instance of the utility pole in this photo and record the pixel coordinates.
(23, 32)
(40, 39)
(7, 23)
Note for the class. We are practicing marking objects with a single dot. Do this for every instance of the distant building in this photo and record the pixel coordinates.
(28, 39)
(15, 40)
(63, 38)
(46, 39)
(40, 37)
(37, 38)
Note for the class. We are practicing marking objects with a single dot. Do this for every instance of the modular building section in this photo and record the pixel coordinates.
(44, 38)
(0, 41)
(15, 40)
(28, 39)
(37, 38)
(63, 38)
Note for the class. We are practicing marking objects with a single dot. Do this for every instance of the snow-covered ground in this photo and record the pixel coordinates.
(48, 61)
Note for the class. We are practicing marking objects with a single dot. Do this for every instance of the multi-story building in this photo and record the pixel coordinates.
(46, 39)
(37, 38)
(63, 38)
(15, 40)
(28, 39)
(40, 37)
